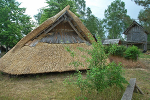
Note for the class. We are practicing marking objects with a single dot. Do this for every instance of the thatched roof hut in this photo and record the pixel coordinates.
(42, 50)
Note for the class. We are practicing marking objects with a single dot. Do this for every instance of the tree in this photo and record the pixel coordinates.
(116, 19)
(13, 23)
(94, 24)
(90, 21)
(38, 16)
(145, 3)
(55, 6)
(100, 29)
(144, 14)
(144, 18)
(81, 7)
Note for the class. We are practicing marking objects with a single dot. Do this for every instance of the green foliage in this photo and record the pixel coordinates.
(132, 53)
(128, 53)
(13, 22)
(115, 50)
(100, 29)
(116, 19)
(94, 25)
(144, 3)
(54, 7)
(144, 18)
(100, 74)
(90, 21)
(118, 50)
(81, 6)
(38, 16)
(114, 75)
(107, 49)
(144, 14)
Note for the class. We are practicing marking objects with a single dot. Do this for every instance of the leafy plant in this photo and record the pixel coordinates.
(132, 53)
(118, 50)
(114, 75)
(100, 74)
(107, 49)
(115, 50)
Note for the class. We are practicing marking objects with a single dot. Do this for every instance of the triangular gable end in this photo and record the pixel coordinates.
(134, 23)
(64, 16)
(63, 30)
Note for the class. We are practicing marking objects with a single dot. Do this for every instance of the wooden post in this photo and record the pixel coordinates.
(132, 87)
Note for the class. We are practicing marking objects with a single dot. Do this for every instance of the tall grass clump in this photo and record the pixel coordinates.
(100, 75)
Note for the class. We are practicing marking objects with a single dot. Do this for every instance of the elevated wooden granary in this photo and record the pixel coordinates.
(136, 35)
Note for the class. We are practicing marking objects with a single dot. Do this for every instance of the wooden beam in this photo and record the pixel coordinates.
(71, 18)
(74, 27)
(49, 28)
(61, 15)
(46, 31)
(129, 90)
(75, 30)
(132, 87)
(138, 89)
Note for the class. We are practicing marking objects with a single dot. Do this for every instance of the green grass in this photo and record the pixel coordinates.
(142, 80)
(52, 86)
(144, 55)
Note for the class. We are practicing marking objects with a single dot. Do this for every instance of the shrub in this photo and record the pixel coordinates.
(132, 53)
(100, 75)
(117, 50)
(107, 49)
(114, 75)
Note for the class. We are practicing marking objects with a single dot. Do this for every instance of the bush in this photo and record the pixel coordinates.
(120, 51)
(114, 75)
(100, 75)
(132, 53)
(107, 49)
(116, 50)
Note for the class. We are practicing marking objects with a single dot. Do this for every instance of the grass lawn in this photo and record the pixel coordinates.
(145, 55)
(52, 86)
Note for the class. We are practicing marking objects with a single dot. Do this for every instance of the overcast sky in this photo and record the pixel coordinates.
(97, 6)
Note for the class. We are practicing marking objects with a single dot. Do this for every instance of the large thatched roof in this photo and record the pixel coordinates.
(42, 50)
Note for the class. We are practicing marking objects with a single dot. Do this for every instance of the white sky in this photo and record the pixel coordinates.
(97, 6)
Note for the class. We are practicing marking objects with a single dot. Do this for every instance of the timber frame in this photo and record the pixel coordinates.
(65, 17)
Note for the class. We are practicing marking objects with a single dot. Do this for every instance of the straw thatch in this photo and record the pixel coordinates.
(42, 50)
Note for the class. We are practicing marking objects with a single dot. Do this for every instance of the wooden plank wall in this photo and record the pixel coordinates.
(148, 45)
(68, 37)
(137, 34)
